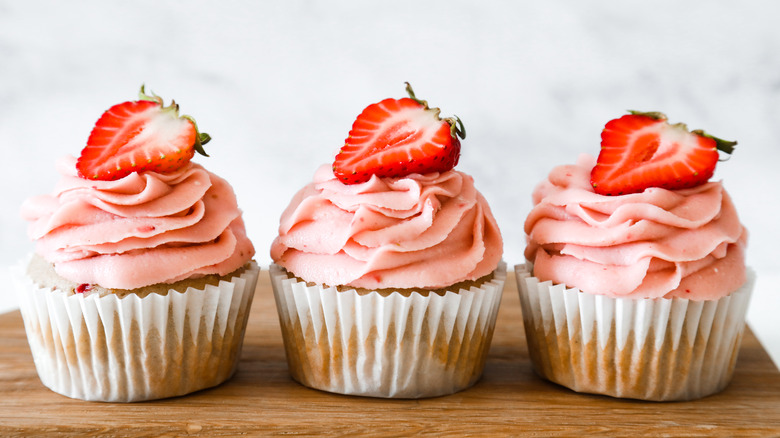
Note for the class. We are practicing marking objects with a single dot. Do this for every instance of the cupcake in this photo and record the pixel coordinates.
(142, 276)
(635, 284)
(387, 268)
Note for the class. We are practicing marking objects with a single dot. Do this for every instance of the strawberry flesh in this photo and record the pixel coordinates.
(395, 138)
(139, 136)
(642, 150)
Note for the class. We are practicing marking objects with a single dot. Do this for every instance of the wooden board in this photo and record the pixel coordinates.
(261, 398)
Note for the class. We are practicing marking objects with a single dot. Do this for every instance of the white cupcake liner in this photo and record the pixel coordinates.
(133, 349)
(649, 349)
(388, 346)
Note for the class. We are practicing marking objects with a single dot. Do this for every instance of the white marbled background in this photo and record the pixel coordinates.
(278, 84)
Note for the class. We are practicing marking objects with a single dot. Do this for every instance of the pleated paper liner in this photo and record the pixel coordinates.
(133, 349)
(386, 345)
(649, 349)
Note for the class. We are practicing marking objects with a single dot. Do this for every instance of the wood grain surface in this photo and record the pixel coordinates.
(262, 399)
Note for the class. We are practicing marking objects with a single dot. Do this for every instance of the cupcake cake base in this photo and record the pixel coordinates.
(648, 349)
(133, 347)
(391, 345)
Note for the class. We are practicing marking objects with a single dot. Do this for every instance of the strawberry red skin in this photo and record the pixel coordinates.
(396, 137)
(639, 151)
(137, 136)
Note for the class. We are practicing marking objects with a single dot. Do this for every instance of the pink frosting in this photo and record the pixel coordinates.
(143, 229)
(658, 243)
(423, 231)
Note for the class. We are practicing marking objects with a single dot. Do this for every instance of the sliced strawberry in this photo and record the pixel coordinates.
(398, 137)
(140, 136)
(641, 150)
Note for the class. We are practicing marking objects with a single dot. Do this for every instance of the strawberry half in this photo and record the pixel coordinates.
(641, 150)
(398, 137)
(140, 136)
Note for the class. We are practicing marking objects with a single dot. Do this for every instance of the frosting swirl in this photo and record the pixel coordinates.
(658, 243)
(419, 231)
(143, 229)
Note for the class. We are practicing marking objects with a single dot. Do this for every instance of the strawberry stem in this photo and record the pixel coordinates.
(724, 145)
(153, 98)
(456, 127)
(203, 138)
(413, 97)
(657, 115)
